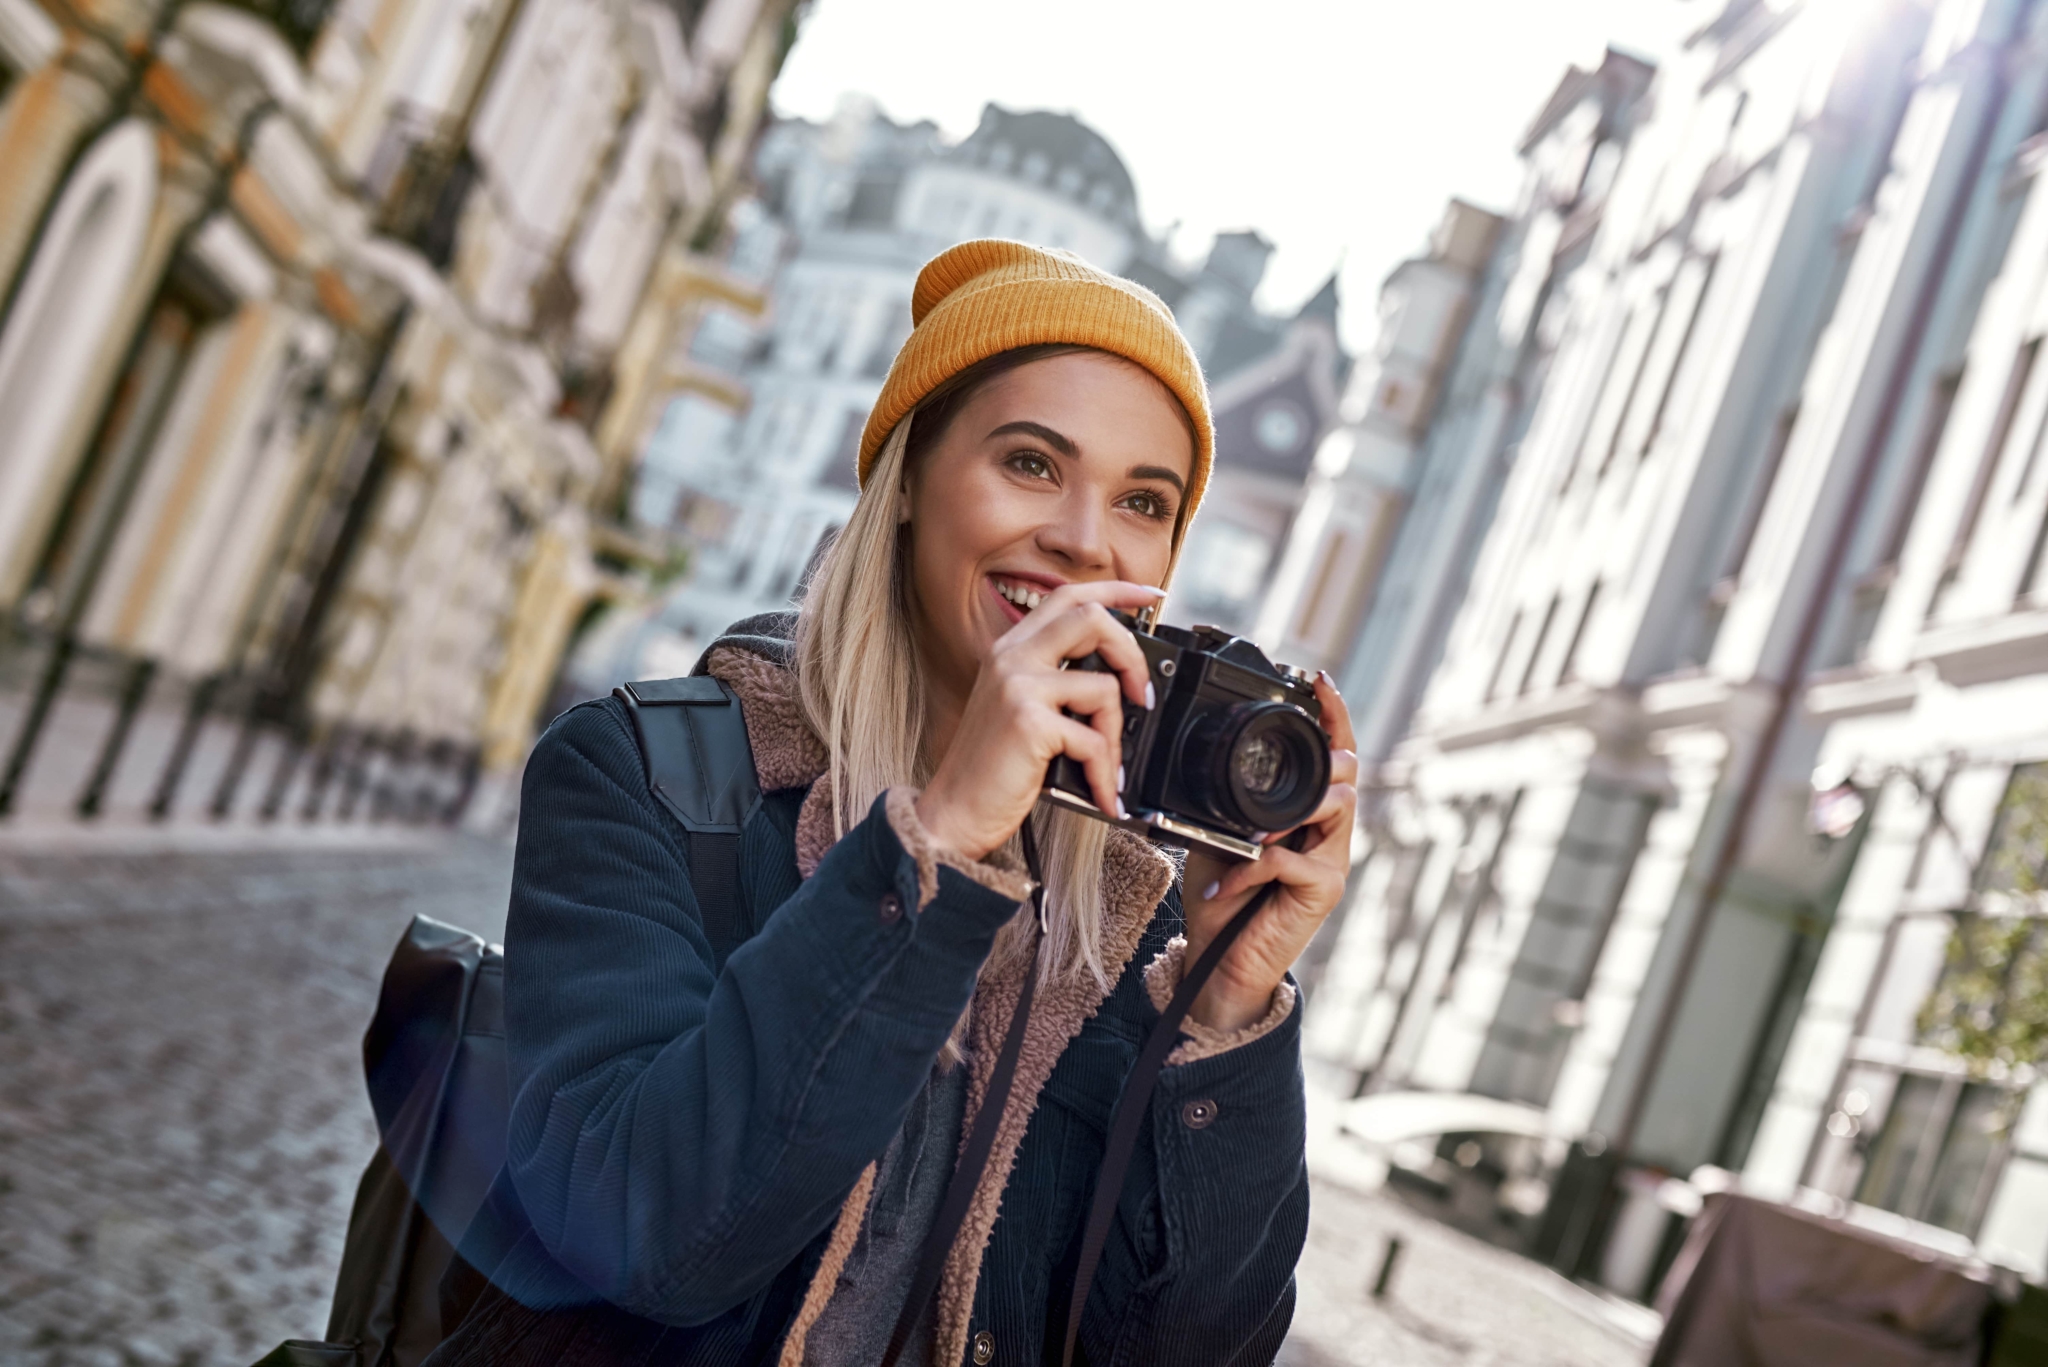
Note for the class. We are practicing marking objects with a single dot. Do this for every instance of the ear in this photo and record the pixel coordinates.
(902, 505)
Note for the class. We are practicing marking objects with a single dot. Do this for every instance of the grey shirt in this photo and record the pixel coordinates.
(910, 1183)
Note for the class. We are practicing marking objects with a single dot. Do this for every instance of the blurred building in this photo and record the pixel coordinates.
(330, 336)
(1405, 490)
(850, 211)
(1777, 506)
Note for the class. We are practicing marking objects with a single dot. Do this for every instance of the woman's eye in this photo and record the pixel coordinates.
(1032, 464)
(1148, 505)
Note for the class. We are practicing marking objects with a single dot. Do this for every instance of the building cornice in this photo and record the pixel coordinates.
(1709, 700)
(1987, 650)
(1605, 711)
(1859, 692)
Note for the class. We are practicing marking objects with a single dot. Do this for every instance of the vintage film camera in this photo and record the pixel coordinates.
(1231, 750)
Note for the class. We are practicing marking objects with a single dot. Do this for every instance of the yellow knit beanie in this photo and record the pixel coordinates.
(988, 296)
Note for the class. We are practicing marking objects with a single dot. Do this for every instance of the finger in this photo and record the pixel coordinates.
(1097, 699)
(1120, 651)
(1083, 692)
(1085, 745)
(1313, 880)
(1336, 716)
(1108, 722)
(1340, 800)
(1105, 593)
(1344, 766)
(1082, 629)
(1111, 593)
(1241, 878)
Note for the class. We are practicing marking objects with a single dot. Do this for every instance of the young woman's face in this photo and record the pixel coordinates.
(1068, 469)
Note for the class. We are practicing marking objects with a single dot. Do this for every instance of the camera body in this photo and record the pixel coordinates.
(1231, 750)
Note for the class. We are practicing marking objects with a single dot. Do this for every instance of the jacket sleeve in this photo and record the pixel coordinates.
(1200, 1264)
(680, 1134)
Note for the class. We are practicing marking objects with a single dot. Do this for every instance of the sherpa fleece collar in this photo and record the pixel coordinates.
(755, 661)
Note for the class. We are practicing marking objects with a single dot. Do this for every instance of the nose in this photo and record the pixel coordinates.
(1078, 533)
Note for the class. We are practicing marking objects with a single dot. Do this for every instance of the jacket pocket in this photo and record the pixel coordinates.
(1091, 1073)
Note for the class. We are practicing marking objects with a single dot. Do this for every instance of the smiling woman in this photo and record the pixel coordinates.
(1004, 507)
(727, 1156)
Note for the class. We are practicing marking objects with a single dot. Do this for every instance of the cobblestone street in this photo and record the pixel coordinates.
(182, 1119)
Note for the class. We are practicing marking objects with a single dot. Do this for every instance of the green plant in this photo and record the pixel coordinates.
(1990, 1006)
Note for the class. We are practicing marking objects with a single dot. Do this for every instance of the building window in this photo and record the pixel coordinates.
(1500, 663)
(1678, 359)
(1945, 1136)
(1227, 569)
(1987, 466)
(1536, 648)
(1936, 1157)
(1570, 672)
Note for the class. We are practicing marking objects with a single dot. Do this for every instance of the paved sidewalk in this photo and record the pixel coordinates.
(182, 1118)
(1452, 1301)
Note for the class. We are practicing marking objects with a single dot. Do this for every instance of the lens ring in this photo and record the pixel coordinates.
(1268, 766)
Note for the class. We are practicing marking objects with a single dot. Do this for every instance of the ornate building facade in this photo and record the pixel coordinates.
(1714, 844)
(330, 338)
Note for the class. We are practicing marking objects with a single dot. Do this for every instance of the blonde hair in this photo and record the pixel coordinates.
(857, 672)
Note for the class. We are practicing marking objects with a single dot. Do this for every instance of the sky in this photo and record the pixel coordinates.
(1338, 128)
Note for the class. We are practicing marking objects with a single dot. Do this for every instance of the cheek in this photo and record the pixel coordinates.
(956, 522)
(1144, 553)
(977, 516)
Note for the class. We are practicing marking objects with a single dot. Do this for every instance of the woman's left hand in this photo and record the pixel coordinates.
(1309, 882)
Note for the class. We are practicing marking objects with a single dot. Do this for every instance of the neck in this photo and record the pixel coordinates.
(943, 706)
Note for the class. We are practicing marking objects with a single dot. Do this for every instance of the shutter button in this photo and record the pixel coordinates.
(891, 908)
(984, 1348)
(1197, 1115)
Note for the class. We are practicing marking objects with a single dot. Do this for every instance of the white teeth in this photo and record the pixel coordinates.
(1021, 596)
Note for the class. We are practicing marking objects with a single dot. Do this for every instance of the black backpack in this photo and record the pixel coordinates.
(434, 1056)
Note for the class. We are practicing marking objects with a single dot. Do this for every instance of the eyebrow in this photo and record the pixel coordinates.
(1159, 472)
(1058, 441)
(1065, 445)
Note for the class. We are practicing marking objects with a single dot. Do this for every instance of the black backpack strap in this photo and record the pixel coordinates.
(693, 740)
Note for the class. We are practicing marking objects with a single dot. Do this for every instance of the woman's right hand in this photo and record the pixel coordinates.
(1018, 719)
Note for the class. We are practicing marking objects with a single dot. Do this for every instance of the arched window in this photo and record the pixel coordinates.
(54, 349)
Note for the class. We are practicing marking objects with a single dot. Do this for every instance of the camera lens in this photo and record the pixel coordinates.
(1258, 766)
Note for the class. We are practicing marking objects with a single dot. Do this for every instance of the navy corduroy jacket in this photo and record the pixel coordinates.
(684, 1132)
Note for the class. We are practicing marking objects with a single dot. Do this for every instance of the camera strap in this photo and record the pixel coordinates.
(1125, 1124)
(1131, 1108)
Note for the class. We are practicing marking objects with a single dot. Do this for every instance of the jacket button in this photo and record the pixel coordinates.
(984, 1348)
(1197, 1115)
(891, 908)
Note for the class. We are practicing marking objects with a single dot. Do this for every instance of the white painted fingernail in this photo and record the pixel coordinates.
(1122, 811)
(1212, 890)
(1151, 696)
(1119, 778)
